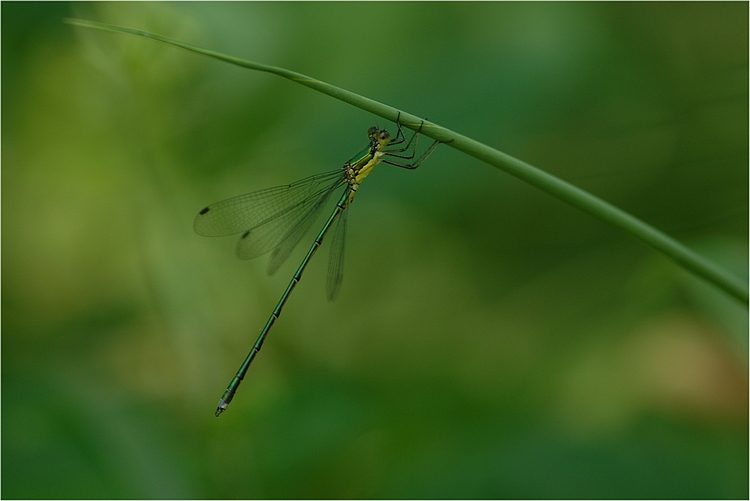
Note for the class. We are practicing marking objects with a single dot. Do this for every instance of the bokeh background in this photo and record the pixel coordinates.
(488, 342)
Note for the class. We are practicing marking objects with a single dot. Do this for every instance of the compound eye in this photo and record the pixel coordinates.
(372, 131)
(384, 135)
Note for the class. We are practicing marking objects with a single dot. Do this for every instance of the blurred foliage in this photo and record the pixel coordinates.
(488, 341)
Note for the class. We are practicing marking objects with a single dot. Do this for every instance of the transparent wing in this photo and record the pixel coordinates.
(295, 233)
(336, 257)
(266, 217)
(248, 211)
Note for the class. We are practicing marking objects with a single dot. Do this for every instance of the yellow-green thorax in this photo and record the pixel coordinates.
(360, 165)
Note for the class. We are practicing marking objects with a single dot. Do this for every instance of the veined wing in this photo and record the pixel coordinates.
(336, 256)
(299, 224)
(248, 211)
(296, 232)
(268, 216)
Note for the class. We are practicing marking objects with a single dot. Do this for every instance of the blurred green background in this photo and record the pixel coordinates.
(488, 341)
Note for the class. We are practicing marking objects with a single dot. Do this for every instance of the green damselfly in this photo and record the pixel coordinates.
(276, 219)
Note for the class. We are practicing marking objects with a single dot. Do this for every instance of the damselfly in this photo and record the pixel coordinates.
(276, 219)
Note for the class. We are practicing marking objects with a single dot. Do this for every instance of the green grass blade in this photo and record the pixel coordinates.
(577, 197)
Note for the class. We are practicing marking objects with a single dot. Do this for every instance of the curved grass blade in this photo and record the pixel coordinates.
(680, 254)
